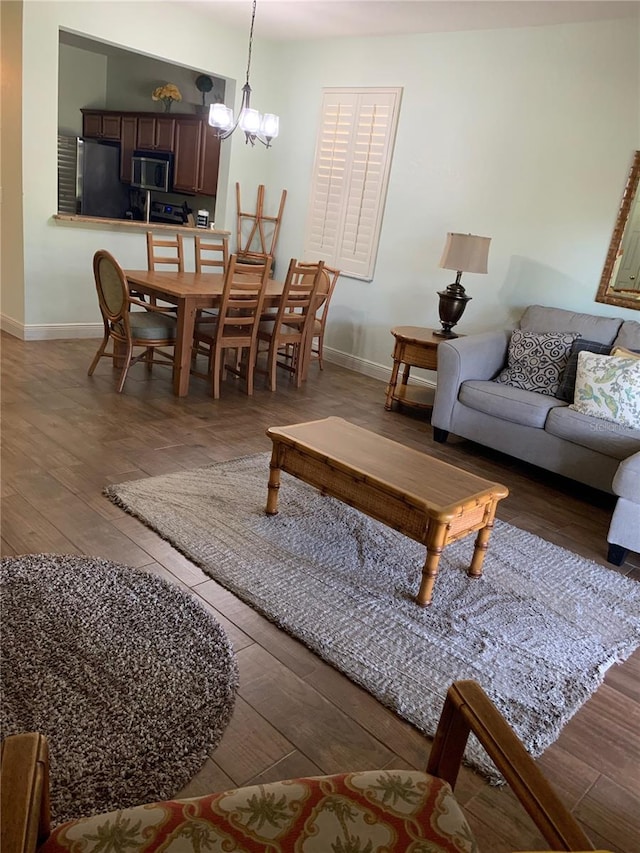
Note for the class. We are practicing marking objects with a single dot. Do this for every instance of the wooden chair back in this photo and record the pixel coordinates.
(290, 330)
(212, 252)
(256, 233)
(238, 320)
(174, 257)
(330, 278)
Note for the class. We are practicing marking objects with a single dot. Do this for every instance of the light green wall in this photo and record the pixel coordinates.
(82, 82)
(506, 133)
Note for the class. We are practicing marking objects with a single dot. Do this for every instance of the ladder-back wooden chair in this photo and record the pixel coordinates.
(212, 253)
(150, 328)
(391, 810)
(257, 234)
(288, 335)
(157, 257)
(236, 326)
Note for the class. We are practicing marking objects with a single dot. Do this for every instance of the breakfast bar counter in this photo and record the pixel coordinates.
(136, 225)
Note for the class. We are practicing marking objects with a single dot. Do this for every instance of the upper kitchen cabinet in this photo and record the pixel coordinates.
(101, 125)
(156, 133)
(196, 157)
(128, 143)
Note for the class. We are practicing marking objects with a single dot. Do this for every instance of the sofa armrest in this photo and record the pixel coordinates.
(471, 357)
(626, 482)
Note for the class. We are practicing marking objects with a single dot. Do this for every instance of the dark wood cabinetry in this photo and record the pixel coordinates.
(156, 133)
(97, 125)
(128, 141)
(194, 144)
(197, 156)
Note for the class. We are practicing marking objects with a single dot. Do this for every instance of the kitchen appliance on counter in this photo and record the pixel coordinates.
(175, 214)
(152, 170)
(89, 178)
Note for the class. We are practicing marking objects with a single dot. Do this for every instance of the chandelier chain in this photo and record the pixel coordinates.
(253, 17)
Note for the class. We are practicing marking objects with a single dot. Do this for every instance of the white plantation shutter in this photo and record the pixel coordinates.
(350, 176)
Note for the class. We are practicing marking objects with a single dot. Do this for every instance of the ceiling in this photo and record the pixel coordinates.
(314, 19)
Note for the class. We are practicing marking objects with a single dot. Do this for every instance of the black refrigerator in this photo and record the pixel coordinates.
(89, 178)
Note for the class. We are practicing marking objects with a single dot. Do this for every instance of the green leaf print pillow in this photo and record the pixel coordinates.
(608, 387)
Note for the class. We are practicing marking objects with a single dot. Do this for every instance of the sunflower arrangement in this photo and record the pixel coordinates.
(167, 94)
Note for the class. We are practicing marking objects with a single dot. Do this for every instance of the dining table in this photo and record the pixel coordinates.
(189, 292)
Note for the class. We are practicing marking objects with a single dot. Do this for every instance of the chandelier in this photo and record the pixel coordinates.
(264, 128)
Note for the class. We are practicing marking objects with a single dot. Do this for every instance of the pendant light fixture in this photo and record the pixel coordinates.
(264, 128)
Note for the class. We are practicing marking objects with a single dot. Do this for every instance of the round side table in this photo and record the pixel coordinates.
(414, 347)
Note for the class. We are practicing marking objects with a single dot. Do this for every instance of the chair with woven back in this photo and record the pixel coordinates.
(236, 325)
(288, 333)
(151, 328)
(320, 318)
(369, 810)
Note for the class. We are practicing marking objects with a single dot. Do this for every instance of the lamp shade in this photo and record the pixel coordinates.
(465, 253)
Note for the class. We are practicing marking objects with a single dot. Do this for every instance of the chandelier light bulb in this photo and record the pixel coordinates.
(220, 116)
(249, 120)
(270, 126)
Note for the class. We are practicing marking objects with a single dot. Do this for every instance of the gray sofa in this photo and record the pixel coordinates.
(541, 429)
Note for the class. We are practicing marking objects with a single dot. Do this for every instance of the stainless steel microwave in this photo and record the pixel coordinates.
(152, 170)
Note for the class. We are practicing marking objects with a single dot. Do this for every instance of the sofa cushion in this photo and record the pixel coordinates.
(391, 810)
(568, 379)
(604, 437)
(536, 360)
(508, 403)
(608, 387)
(538, 318)
(629, 335)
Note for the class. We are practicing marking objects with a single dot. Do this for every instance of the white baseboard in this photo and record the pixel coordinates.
(368, 368)
(50, 331)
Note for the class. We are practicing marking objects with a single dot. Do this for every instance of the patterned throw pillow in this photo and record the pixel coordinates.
(608, 387)
(536, 360)
(568, 379)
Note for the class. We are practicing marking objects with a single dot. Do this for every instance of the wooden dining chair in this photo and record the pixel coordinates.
(320, 317)
(236, 326)
(212, 253)
(173, 258)
(151, 328)
(288, 334)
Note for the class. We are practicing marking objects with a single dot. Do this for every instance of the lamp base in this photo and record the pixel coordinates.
(451, 307)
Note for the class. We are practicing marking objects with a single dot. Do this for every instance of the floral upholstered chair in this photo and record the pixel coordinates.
(376, 811)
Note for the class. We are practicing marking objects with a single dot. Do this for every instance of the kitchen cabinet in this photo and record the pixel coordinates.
(193, 142)
(128, 140)
(156, 133)
(196, 157)
(100, 125)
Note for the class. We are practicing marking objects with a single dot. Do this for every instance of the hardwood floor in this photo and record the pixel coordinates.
(65, 436)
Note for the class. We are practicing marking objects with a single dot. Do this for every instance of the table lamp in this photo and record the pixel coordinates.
(462, 253)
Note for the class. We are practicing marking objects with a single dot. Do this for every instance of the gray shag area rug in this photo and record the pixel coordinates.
(130, 678)
(538, 631)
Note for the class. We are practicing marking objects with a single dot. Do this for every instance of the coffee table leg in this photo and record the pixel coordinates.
(482, 542)
(436, 537)
(274, 483)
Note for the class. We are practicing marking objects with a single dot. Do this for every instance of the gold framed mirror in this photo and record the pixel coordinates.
(620, 281)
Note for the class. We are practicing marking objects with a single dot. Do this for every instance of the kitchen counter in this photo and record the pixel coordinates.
(135, 224)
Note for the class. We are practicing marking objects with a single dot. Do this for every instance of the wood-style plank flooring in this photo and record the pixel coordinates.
(65, 436)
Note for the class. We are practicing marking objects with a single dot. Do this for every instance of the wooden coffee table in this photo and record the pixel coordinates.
(427, 500)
